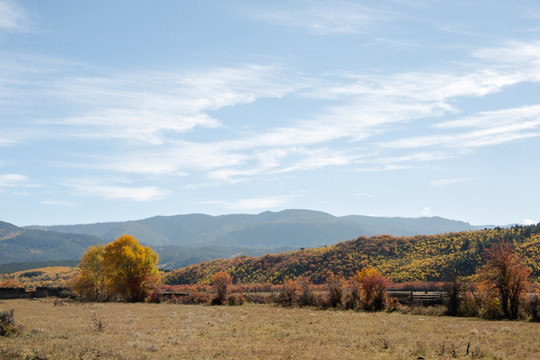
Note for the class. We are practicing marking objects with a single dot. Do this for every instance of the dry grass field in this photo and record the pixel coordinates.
(167, 331)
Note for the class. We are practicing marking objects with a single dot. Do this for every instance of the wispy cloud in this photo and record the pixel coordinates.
(426, 211)
(143, 107)
(488, 129)
(7, 140)
(511, 53)
(17, 134)
(424, 88)
(151, 107)
(12, 17)
(119, 192)
(361, 107)
(57, 203)
(162, 112)
(10, 180)
(15, 181)
(320, 18)
(494, 118)
(252, 204)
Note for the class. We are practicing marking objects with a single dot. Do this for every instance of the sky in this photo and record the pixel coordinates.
(123, 110)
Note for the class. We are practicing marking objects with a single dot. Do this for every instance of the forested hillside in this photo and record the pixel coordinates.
(402, 259)
(52, 276)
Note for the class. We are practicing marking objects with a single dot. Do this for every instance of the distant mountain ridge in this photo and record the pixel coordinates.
(181, 240)
(267, 230)
(30, 245)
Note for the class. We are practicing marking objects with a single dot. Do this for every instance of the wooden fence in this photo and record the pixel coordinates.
(39, 292)
(405, 297)
(425, 298)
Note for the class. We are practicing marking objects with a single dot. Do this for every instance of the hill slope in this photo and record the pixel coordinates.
(26, 245)
(417, 258)
(51, 276)
(292, 228)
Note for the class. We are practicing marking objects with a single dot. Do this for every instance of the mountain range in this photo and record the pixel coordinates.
(267, 230)
(181, 240)
(27, 245)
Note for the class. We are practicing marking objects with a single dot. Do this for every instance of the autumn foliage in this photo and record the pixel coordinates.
(373, 289)
(505, 276)
(90, 283)
(10, 283)
(484, 273)
(334, 288)
(123, 269)
(421, 258)
(288, 293)
(222, 282)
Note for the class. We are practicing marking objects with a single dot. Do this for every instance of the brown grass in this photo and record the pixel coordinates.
(168, 331)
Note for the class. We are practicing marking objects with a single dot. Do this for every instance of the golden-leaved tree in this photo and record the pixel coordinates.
(89, 284)
(122, 269)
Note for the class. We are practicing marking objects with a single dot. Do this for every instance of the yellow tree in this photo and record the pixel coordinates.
(129, 268)
(89, 283)
(123, 269)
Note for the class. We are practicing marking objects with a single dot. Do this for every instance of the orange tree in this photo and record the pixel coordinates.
(507, 276)
(373, 287)
(222, 282)
(122, 269)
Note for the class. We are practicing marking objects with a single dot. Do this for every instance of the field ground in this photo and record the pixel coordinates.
(167, 331)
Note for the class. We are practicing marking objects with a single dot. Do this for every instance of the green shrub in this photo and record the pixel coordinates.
(30, 274)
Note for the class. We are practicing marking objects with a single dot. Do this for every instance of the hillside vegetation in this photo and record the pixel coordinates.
(402, 259)
(52, 276)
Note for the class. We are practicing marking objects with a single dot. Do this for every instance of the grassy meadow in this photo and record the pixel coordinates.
(73, 330)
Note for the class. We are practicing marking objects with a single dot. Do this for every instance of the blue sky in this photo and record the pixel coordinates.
(118, 110)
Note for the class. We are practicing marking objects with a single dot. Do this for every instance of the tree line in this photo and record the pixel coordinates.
(124, 270)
